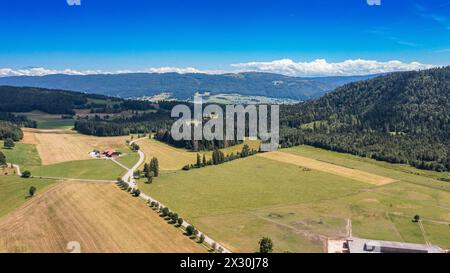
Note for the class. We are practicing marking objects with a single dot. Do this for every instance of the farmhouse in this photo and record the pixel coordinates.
(111, 153)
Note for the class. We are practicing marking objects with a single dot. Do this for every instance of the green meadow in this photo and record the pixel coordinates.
(24, 155)
(14, 191)
(398, 171)
(49, 121)
(239, 202)
(84, 169)
(129, 159)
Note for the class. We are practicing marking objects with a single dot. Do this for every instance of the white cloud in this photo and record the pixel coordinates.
(288, 67)
(180, 70)
(321, 67)
(40, 71)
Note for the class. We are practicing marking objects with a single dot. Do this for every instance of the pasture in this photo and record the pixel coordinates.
(99, 216)
(128, 158)
(96, 169)
(328, 168)
(239, 202)
(14, 191)
(49, 121)
(22, 154)
(396, 171)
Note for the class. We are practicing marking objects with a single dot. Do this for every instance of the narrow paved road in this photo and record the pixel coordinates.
(129, 175)
(129, 178)
(17, 167)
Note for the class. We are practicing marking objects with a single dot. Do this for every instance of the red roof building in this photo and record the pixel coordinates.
(111, 153)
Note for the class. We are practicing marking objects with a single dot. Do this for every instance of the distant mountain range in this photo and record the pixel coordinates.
(183, 86)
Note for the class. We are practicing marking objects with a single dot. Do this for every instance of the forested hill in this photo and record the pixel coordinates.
(26, 99)
(401, 117)
(183, 86)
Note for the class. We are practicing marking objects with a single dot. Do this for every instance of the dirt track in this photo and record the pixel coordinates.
(329, 168)
(100, 217)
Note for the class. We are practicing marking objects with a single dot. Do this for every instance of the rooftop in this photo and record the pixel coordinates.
(357, 245)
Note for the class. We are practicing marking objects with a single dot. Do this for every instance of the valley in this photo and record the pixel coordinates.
(337, 175)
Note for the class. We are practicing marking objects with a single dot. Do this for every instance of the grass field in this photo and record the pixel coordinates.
(22, 154)
(99, 216)
(129, 158)
(329, 168)
(49, 121)
(57, 146)
(239, 202)
(97, 169)
(173, 159)
(14, 191)
(395, 171)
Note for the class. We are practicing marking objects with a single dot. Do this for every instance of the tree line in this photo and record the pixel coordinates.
(164, 135)
(218, 157)
(10, 131)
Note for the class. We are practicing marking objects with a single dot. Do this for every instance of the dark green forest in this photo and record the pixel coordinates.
(400, 118)
(27, 99)
(136, 124)
(20, 120)
(18, 99)
(10, 125)
(203, 145)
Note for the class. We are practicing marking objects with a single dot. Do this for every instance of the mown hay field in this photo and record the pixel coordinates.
(57, 146)
(99, 216)
(173, 159)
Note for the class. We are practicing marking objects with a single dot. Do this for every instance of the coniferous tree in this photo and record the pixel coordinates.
(154, 166)
(199, 162)
(245, 151)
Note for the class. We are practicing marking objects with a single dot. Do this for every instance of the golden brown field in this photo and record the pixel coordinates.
(57, 146)
(328, 168)
(169, 158)
(173, 159)
(99, 216)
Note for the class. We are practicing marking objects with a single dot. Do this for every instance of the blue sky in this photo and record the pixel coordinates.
(134, 35)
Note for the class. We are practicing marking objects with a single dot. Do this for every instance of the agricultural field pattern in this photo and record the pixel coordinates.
(301, 197)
